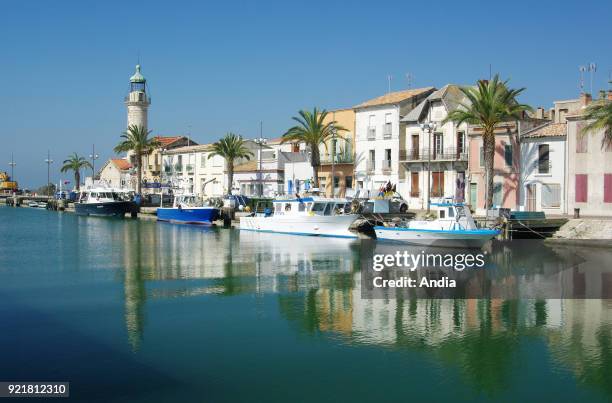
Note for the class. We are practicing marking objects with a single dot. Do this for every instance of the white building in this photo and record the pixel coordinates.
(441, 154)
(543, 169)
(191, 170)
(379, 137)
(115, 173)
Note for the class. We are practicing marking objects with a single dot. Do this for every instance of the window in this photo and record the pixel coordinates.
(451, 212)
(582, 140)
(336, 181)
(348, 182)
(481, 157)
(415, 147)
(438, 144)
(301, 207)
(543, 159)
(581, 188)
(387, 126)
(287, 206)
(551, 195)
(508, 154)
(414, 184)
(437, 184)
(442, 213)
(497, 194)
(607, 188)
(387, 161)
(372, 160)
(203, 160)
(460, 143)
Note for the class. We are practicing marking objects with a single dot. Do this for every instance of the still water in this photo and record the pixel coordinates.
(134, 310)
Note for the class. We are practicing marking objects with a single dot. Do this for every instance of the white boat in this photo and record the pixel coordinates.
(454, 227)
(314, 216)
(36, 204)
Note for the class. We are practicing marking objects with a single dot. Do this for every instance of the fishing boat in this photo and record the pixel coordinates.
(188, 209)
(102, 202)
(37, 204)
(454, 227)
(314, 216)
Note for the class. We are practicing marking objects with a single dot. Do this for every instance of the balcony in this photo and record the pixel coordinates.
(371, 133)
(387, 131)
(425, 154)
(338, 159)
(386, 166)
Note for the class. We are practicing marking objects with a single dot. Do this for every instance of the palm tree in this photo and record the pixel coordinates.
(599, 115)
(313, 132)
(489, 104)
(136, 139)
(230, 147)
(75, 163)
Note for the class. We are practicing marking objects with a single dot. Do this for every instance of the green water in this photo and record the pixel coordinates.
(133, 310)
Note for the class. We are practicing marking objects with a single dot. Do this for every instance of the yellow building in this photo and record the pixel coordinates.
(344, 155)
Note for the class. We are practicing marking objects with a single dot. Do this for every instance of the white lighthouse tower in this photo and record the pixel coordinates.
(137, 100)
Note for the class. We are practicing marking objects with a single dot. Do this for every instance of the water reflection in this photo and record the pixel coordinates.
(317, 283)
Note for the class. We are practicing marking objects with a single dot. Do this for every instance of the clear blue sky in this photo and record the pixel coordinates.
(224, 66)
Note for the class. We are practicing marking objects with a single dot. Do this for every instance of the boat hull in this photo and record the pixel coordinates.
(192, 215)
(444, 238)
(108, 209)
(331, 226)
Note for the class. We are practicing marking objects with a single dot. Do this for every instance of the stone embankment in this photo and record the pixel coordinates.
(585, 231)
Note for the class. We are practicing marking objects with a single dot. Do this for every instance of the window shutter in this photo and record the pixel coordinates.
(581, 188)
(607, 188)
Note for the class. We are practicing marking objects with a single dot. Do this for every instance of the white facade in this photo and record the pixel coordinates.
(298, 176)
(115, 173)
(190, 170)
(379, 138)
(543, 174)
(377, 147)
(436, 159)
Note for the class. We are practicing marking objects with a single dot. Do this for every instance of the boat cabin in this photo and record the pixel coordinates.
(309, 206)
(98, 196)
(454, 214)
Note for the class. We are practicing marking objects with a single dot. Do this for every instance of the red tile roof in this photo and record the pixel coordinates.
(166, 140)
(121, 164)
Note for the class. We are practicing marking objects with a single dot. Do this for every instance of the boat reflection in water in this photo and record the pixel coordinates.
(317, 287)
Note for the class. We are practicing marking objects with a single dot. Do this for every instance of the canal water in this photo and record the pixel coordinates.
(135, 311)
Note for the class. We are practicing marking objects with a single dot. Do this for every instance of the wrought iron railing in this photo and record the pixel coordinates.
(424, 154)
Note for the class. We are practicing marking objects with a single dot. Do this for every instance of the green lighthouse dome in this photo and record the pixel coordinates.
(137, 77)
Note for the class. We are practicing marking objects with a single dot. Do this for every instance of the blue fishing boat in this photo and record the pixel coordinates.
(187, 209)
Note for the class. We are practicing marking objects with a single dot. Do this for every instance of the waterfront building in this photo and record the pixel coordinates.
(190, 169)
(343, 151)
(115, 173)
(506, 164)
(264, 174)
(379, 138)
(589, 166)
(441, 154)
(543, 161)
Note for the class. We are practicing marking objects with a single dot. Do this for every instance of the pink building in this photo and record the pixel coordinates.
(506, 179)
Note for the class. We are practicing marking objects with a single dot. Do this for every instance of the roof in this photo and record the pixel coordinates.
(167, 140)
(121, 163)
(395, 97)
(138, 77)
(189, 149)
(451, 95)
(547, 130)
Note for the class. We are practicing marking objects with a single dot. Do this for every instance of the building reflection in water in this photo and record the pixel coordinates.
(318, 287)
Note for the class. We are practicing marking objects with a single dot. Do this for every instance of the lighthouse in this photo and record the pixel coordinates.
(137, 100)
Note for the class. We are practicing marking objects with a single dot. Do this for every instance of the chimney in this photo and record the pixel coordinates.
(585, 99)
(539, 113)
(609, 95)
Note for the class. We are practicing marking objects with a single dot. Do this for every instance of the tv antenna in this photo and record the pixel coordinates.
(409, 78)
(582, 70)
(592, 69)
(389, 78)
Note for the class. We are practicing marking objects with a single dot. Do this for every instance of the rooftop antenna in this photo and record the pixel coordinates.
(592, 70)
(409, 77)
(490, 72)
(582, 70)
(389, 78)
(188, 135)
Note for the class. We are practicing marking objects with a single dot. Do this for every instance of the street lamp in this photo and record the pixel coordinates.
(48, 161)
(333, 157)
(261, 141)
(428, 127)
(12, 165)
(93, 157)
